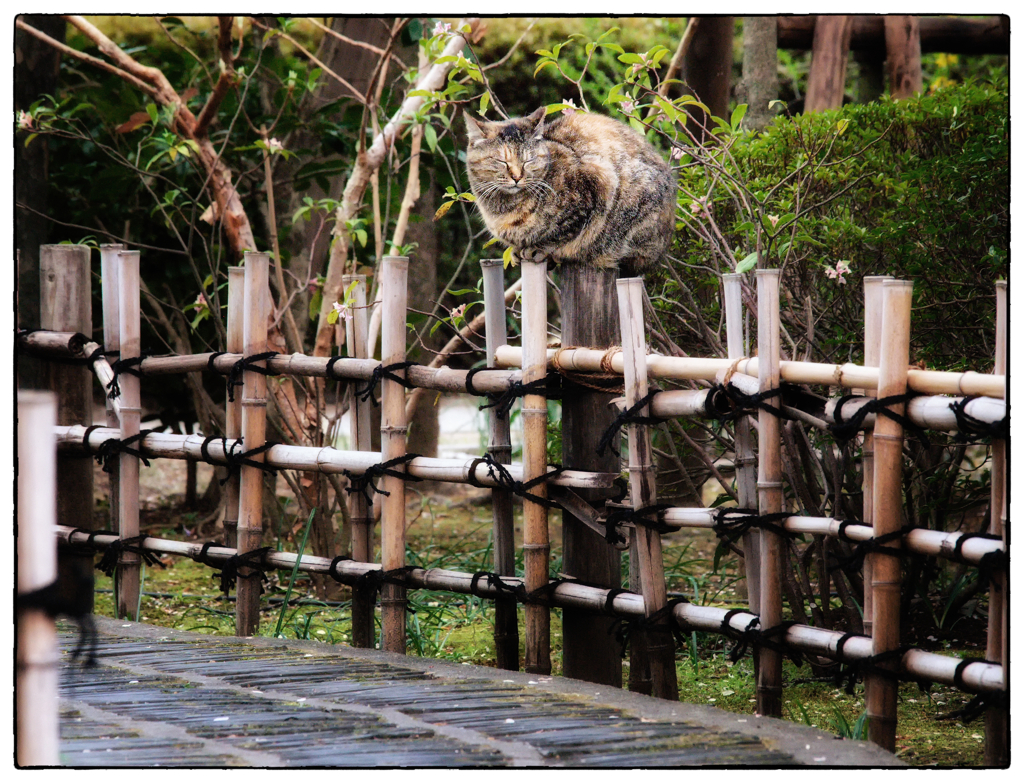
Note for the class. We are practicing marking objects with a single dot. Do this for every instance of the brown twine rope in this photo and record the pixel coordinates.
(607, 381)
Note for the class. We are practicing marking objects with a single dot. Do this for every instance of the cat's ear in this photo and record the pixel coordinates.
(473, 129)
(538, 119)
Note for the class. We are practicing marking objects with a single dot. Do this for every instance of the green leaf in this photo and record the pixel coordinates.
(332, 317)
(316, 301)
(431, 136)
(842, 125)
(485, 103)
(463, 292)
(443, 210)
(507, 258)
(152, 111)
(737, 115)
(541, 66)
(489, 242)
(747, 263)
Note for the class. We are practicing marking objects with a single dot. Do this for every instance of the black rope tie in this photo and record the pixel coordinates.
(213, 357)
(549, 386)
(374, 580)
(231, 569)
(506, 589)
(972, 430)
(638, 516)
(659, 621)
(745, 404)
(235, 461)
(332, 570)
(504, 479)
(367, 480)
(248, 363)
(731, 523)
(109, 449)
(990, 562)
(629, 416)
(977, 706)
(112, 555)
(846, 430)
(75, 343)
(876, 544)
(329, 372)
(380, 372)
(120, 367)
(742, 638)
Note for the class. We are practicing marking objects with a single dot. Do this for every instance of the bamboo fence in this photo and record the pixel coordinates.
(880, 650)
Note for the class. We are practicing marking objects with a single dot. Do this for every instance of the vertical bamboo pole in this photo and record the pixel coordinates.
(499, 445)
(997, 741)
(536, 544)
(360, 512)
(394, 288)
(643, 488)
(769, 490)
(881, 692)
(746, 472)
(111, 343)
(127, 574)
(235, 343)
(254, 434)
(38, 652)
(872, 350)
(65, 305)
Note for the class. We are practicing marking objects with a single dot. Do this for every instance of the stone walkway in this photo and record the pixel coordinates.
(171, 699)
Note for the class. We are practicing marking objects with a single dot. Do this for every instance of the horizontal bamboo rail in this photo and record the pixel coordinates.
(689, 368)
(930, 412)
(978, 677)
(325, 459)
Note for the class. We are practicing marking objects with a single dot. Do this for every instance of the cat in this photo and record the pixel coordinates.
(581, 188)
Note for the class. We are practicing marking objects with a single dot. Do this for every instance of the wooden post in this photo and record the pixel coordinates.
(499, 445)
(881, 692)
(590, 650)
(872, 351)
(364, 598)
(65, 305)
(536, 545)
(997, 740)
(235, 343)
(903, 54)
(760, 83)
(745, 461)
(826, 81)
(769, 490)
(109, 266)
(643, 488)
(38, 651)
(394, 287)
(254, 433)
(126, 577)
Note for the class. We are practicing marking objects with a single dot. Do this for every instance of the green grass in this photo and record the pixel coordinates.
(458, 628)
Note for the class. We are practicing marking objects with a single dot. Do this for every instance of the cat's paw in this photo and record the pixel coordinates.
(532, 253)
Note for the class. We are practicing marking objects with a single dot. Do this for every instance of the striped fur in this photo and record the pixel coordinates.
(581, 188)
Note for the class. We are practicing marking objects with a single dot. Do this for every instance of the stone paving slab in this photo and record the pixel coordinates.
(175, 699)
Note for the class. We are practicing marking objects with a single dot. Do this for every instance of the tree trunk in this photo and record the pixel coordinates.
(950, 34)
(760, 85)
(708, 70)
(827, 80)
(903, 50)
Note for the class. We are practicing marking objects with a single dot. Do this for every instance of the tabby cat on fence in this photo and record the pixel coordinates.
(581, 188)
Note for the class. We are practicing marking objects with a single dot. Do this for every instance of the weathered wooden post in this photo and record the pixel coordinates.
(745, 461)
(536, 544)
(590, 318)
(881, 691)
(38, 651)
(997, 739)
(872, 351)
(364, 598)
(234, 343)
(393, 429)
(499, 445)
(769, 490)
(643, 491)
(65, 305)
(127, 576)
(254, 434)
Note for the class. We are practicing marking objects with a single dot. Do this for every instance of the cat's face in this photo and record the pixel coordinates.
(508, 157)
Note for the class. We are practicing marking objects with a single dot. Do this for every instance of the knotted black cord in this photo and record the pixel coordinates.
(213, 357)
(658, 622)
(972, 430)
(374, 580)
(329, 371)
(637, 516)
(997, 560)
(981, 702)
(361, 482)
(504, 479)
(380, 372)
(248, 363)
(112, 447)
(503, 402)
(745, 404)
(332, 570)
(847, 430)
(629, 416)
(235, 461)
(876, 544)
(231, 568)
(730, 523)
(112, 555)
(123, 366)
(742, 638)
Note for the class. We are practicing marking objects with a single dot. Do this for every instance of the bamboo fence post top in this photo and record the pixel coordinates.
(254, 424)
(536, 544)
(128, 570)
(37, 653)
(881, 692)
(394, 298)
